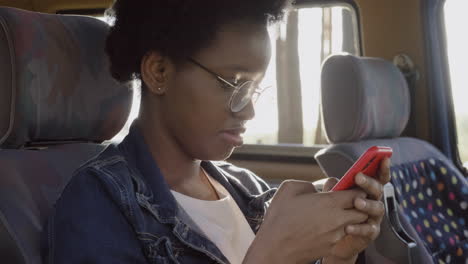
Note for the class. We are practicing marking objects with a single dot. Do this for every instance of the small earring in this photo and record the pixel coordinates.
(159, 88)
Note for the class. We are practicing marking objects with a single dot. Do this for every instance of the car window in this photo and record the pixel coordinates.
(455, 22)
(288, 112)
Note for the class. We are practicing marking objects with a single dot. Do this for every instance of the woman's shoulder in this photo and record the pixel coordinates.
(87, 212)
(111, 162)
(99, 177)
(110, 156)
(85, 186)
(93, 190)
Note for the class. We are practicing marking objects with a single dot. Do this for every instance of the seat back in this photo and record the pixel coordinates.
(365, 102)
(58, 102)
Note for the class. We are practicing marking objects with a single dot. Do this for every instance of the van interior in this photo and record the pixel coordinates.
(345, 75)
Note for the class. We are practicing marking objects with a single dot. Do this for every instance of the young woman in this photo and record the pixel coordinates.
(158, 197)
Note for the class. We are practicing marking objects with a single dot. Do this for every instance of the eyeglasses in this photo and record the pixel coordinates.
(242, 94)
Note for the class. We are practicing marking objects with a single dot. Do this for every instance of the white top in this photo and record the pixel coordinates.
(222, 222)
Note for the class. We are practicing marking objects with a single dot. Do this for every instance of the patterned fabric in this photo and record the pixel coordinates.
(434, 198)
(363, 98)
(31, 181)
(60, 87)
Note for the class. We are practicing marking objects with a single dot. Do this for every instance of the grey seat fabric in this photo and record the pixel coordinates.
(363, 98)
(58, 102)
(365, 102)
(31, 181)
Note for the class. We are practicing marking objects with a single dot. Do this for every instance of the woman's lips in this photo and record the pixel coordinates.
(233, 136)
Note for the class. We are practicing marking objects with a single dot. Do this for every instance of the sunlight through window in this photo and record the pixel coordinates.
(457, 43)
(313, 47)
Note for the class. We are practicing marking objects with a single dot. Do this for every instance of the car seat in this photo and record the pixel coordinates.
(58, 103)
(365, 102)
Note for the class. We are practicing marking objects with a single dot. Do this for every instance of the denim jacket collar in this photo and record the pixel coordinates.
(153, 194)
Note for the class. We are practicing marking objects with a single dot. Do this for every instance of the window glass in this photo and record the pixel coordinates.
(307, 37)
(261, 130)
(321, 31)
(310, 47)
(455, 22)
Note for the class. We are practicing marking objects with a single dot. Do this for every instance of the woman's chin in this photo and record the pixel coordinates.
(217, 153)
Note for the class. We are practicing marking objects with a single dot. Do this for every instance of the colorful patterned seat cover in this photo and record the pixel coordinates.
(434, 198)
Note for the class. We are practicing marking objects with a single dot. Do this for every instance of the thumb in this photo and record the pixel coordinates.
(329, 184)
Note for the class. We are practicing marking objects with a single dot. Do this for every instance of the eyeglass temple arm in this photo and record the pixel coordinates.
(211, 72)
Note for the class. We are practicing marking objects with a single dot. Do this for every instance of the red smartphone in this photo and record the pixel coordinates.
(368, 163)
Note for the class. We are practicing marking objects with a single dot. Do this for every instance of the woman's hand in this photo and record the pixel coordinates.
(359, 236)
(302, 225)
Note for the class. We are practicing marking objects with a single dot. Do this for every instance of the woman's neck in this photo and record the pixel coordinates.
(182, 173)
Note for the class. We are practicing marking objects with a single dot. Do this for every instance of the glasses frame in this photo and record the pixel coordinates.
(237, 87)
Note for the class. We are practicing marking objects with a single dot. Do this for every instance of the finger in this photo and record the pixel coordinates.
(294, 187)
(367, 230)
(329, 184)
(384, 171)
(345, 199)
(370, 185)
(353, 217)
(373, 208)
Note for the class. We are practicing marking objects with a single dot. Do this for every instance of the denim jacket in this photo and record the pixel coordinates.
(119, 209)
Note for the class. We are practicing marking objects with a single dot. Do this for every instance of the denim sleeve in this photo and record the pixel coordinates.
(87, 227)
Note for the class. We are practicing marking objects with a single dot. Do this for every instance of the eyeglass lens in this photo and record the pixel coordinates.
(244, 94)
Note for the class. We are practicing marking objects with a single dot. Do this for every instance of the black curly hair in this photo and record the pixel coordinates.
(176, 28)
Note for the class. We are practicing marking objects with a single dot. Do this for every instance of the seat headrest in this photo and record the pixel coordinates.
(55, 83)
(363, 98)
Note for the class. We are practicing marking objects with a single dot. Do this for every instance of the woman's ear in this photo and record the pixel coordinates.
(155, 71)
